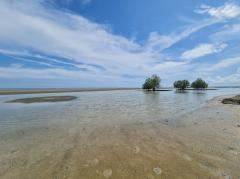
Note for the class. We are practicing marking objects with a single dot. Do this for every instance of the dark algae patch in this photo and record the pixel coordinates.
(233, 100)
(43, 99)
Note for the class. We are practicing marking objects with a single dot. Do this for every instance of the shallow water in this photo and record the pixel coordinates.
(96, 128)
(126, 105)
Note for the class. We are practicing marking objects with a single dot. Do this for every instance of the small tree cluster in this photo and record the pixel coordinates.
(152, 83)
(181, 84)
(199, 84)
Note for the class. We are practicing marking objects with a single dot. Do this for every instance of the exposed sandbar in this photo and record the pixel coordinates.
(43, 99)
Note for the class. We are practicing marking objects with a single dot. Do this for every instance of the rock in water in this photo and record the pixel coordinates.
(107, 173)
(233, 100)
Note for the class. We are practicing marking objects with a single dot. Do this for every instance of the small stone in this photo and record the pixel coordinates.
(150, 177)
(227, 177)
(238, 125)
(234, 152)
(107, 173)
(157, 170)
(95, 161)
(66, 167)
(85, 165)
(136, 149)
(186, 157)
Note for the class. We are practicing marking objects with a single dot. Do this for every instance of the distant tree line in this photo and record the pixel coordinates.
(153, 83)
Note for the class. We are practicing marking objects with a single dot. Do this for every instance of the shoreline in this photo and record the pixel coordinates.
(4, 91)
(58, 90)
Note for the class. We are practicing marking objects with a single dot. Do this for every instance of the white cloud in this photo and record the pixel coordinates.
(32, 31)
(229, 32)
(202, 50)
(70, 1)
(161, 42)
(18, 71)
(170, 66)
(47, 32)
(227, 11)
(66, 35)
(232, 79)
(225, 63)
(210, 72)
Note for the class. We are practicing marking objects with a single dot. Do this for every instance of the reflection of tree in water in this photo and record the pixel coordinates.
(186, 100)
(181, 91)
(152, 97)
(199, 96)
(153, 103)
(200, 92)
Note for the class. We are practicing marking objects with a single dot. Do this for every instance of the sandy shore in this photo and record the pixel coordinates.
(203, 144)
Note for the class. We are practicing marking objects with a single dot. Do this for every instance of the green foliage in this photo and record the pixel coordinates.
(147, 84)
(181, 84)
(199, 84)
(152, 83)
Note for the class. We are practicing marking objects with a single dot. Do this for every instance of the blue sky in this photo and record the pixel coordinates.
(110, 43)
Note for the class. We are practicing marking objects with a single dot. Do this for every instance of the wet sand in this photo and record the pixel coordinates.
(203, 144)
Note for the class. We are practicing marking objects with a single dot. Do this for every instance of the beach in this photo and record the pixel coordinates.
(124, 89)
(202, 143)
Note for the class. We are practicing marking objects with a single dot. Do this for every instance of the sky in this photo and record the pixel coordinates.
(112, 43)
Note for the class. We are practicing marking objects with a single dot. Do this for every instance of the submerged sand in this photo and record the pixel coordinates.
(203, 144)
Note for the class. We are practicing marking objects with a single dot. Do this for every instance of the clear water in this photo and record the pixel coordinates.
(97, 107)
(55, 140)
